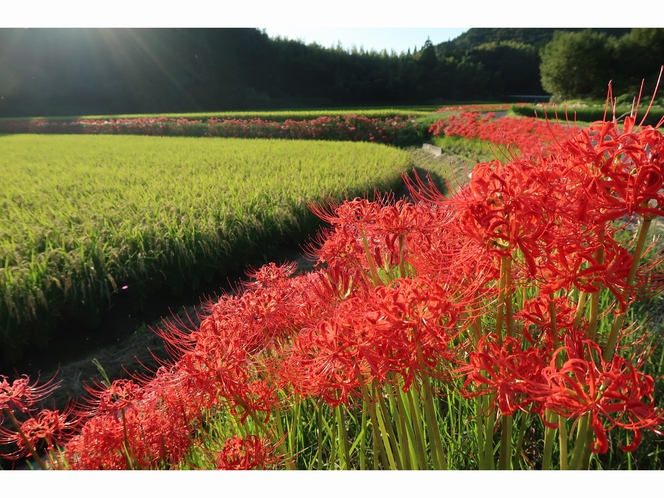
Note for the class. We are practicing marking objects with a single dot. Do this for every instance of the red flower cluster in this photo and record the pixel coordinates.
(341, 128)
(248, 453)
(530, 136)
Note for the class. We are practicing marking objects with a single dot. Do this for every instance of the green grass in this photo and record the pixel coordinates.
(585, 114)
(474, 150)
(83, 216)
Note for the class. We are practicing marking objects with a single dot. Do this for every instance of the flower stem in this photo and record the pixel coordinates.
(27, 442)
(437, 452)
(519, 442)
(505, 462)
(417, 421)
(618, 321)
(343, 436)
(389, 437)
(580, 443)
(562, 438)
(489, 424)
(378, 445)
(549, 437)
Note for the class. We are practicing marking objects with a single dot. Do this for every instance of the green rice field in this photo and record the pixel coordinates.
(81, 217)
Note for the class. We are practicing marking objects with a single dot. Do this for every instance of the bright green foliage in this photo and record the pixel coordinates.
(84, 216)
(585, 113)
(577, 64)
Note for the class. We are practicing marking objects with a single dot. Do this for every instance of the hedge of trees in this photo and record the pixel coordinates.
(580, 65)
(68, 72)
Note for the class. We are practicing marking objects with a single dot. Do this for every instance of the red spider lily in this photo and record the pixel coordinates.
(389, 333)
(530, 136)
(50, 427)
(348, 127)
(613, 394)
(419, 319)
(536, 315)
(624, 168)
(21, 395)
(250, 452)
(155, 433)
(505, 371)
(121, 395)
(270, 274)
(326, 361)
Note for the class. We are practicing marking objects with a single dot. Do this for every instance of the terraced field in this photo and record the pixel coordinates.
(86, 217)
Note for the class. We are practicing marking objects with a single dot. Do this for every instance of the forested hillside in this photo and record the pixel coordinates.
(47, 72)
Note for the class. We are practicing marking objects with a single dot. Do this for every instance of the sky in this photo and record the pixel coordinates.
(391, 39)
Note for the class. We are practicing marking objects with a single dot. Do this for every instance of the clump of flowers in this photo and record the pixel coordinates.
(525, 136)
(396, 130)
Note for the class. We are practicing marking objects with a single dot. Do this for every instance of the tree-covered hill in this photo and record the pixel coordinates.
(537, 37)
(47, 72)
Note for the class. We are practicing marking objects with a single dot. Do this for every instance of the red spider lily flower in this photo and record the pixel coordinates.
(505, 371)
(614, 393)
(250, 452)
(50, 427)
(100, 445)
(114, 399)
(326, 361)
(536, 315)
(21, 395)
(387, 333)
(270, 274)
(155, 433)
(624, 169)
(418, 318)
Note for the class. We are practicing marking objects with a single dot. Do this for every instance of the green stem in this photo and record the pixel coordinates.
(372, 267)
(390, 441)
(417, 425)
(27, 442)
(363, 441)
(292, 433)
(402, 247)
(343, 436)
(554, 322)
(562, 439)
(405, 442)
(439, 460)
(579, 443)
(594, 302)
(549, 437)
(479, 426)
(579, 307)
(505, 462)
(618, 321)
(319, 450)
(501, 302)
(489, 425)
(509, 319)
(417, 459)
(377, 441)
(519, 442)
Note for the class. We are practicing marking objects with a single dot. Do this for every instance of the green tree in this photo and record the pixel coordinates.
(641, 55)
(511, 68)
(576, 65)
